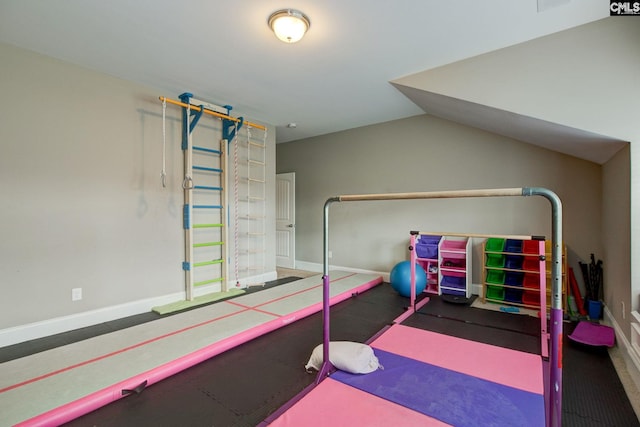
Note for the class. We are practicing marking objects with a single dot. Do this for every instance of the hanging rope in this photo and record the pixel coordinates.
(250, 257)
(235, 204)
(248, 163)
(163, 174)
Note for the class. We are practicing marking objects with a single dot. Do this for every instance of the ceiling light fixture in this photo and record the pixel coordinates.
(289, 25)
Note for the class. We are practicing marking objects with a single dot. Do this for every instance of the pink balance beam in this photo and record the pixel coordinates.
(100, 398)
(500, 365)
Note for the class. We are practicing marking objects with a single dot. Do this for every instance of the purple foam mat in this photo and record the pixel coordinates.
(449, 396)
(593, 334)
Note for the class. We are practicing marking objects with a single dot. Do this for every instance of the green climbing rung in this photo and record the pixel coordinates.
(207, 225)
(206, 282)
(202, 245)
(203, 263)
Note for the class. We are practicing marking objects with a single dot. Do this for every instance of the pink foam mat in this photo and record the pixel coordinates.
(333, 404)
(503, 366)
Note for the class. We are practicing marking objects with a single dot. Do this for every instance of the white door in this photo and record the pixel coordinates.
(286, 220)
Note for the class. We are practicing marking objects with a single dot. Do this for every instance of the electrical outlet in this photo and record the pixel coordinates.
(76, 294)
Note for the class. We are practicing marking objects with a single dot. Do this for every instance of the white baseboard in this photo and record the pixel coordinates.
(312, 266)
(31, 331)
(631, 357)
(476, 289)
(258, 279)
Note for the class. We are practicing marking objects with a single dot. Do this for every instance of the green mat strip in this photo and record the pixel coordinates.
(204, 299)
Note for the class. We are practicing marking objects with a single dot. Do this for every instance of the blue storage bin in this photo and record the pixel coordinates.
(513, 246)
(513, 278)
(513, 295)
(595, 309)
(513, 262)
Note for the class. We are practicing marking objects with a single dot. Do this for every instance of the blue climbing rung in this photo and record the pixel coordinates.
(204, 187)
(206, 150)
(207, 206)
(202, 168)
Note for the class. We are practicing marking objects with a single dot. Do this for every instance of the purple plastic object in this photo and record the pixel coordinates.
(593, 334)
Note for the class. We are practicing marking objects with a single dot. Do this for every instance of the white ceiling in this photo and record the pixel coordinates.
(336, 78)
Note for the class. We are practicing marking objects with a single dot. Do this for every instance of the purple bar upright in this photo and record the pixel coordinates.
(555, 369)
(326, 364)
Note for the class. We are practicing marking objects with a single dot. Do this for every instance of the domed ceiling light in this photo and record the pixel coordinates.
(289, 25)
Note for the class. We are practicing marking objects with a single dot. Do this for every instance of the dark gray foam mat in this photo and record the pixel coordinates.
(592, 392)
(242, 386)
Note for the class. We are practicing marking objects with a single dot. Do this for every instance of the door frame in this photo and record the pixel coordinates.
(286, 224)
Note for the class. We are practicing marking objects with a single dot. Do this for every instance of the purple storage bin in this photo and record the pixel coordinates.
(428, 251)
(460, 293)
(428, 238)
(427, 246)
(453, 282)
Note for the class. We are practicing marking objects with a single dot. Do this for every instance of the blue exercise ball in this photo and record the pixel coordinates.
(400, 278)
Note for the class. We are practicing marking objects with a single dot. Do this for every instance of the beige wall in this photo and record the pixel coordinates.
(578, 78)
(424, 153)
(616, 187)
(82, 201)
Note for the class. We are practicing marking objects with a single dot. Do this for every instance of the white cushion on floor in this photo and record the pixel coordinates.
(352, 357)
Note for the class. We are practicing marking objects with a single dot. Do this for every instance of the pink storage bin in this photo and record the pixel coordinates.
(456, 245)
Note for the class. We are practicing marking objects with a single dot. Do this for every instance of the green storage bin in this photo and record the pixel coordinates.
(495, 277)
(495, 260)
(495, 293)
(494, 244)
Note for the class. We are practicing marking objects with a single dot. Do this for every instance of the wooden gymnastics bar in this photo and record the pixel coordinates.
(480, 235)
(554, 411)
(210, 112)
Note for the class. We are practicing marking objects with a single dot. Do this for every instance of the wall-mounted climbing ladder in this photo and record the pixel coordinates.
(256, 203)
(207, 218)
(204, 205)
(249, 189)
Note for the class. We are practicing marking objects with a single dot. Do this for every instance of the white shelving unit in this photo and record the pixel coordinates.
(454, 266)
